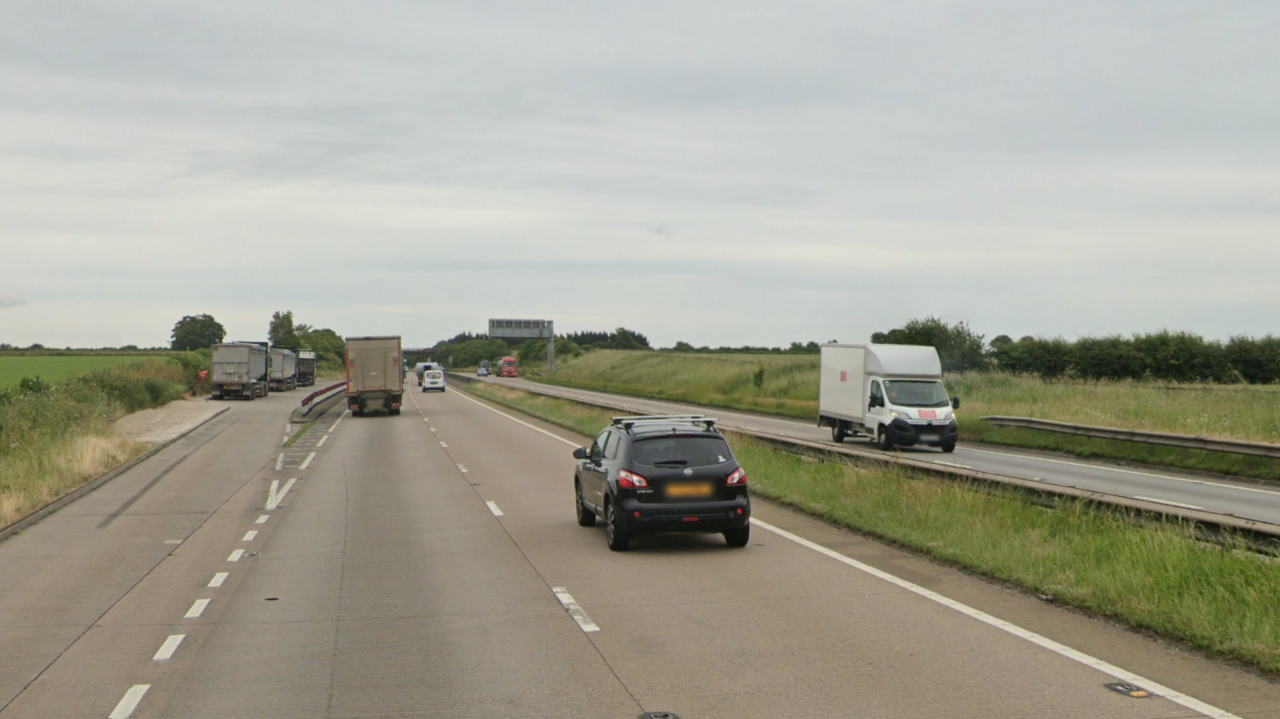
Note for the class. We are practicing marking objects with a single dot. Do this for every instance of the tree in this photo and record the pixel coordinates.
(282, 332)
(195, 332)
(959, 347)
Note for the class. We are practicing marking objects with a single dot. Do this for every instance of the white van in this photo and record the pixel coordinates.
(433, 377)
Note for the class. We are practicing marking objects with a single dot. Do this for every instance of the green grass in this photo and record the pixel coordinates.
(1156, 576)
(52, 369)
(790, 388)
(298, 434)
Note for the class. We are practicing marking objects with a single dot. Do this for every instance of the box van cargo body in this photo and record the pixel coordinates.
(284, 370)
(237, 369)
(375, 376)
(892, 394)
(306, 368)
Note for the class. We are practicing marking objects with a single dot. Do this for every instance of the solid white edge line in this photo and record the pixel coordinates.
(1062, 650)
(307, 462)
(1167, 501)
(249, 536)
(218, 579)
(262, 519)
(280, 462)
(1122, 471)
(493, 507)
(571, 606)
(129, 702)
(517, 420)
(166, 650)
(235, 556)
(197, 608)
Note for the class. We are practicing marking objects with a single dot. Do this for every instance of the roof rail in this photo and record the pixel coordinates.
(629, 422)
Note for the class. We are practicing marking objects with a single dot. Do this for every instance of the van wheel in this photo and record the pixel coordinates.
(617, 537)
(948, 447)
(586, 517)
(882, 437)
(837, 432)
(738, 537)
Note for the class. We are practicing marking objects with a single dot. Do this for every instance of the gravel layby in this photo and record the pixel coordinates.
(159, 425)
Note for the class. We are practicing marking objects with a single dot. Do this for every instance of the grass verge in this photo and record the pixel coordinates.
(301, 431)
(1156, 576)
(54, 437)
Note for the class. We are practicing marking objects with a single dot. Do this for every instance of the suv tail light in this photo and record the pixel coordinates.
(738, 478)
(630, 480)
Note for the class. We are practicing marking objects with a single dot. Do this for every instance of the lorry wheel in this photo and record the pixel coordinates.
(948, 447)
(837, 432)
(253, 392)
(882, 437)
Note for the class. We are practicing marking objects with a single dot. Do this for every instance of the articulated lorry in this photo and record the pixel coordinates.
(284, 370)
(892, 394)
(306, 368)
(238, 369)
(375, 374)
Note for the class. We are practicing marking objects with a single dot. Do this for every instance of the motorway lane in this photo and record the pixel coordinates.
(1222, 496)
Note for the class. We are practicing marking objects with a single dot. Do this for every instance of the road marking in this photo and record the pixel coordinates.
(274, 498)
(165, 653)
(1123, 471)
(462, 469)
(1062, 650)
(249, 536)
(1168, 502)
(280, 462)
(129, 702)
(322, 441)
(173, 541)
(335, 424)
(518, 421)
(262, 519)
(575, 611)
(442, 444)
(235, 556)
(493, 507)
(218, 579)
(307, 462)
(953, 464)
(288, 428)
(197, 608)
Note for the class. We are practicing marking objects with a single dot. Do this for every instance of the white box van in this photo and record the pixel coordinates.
(892, 394)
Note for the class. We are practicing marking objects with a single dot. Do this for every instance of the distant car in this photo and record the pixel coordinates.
(649, 475)
(482, 372)
(433, 379)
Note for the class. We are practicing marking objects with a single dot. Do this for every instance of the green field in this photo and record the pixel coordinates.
(788, 385)
(52, 369)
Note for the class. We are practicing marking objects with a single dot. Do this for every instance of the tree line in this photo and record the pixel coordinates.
(196, 332)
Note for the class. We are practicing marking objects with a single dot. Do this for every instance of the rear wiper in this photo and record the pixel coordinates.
(671, 463)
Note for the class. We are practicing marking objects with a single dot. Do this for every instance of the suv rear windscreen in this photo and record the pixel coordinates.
(681, 451)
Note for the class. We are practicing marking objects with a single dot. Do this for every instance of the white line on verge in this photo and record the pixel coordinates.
(322, 441)
(262, 519)
(129, 702)
(274, 498)
(235, 556)
(280, 462)
(574, 610)
(197, 608)
(493, 507)
(1169, 502)
(307, 462)
(218, 579)
(249, 536)
(165, 653)
(517, 421)
(1062, 650)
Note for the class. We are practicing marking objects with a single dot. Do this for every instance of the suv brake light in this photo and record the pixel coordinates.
(631, 480)
(738, 478)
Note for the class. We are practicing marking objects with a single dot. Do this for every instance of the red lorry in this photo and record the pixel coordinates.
(507, 368)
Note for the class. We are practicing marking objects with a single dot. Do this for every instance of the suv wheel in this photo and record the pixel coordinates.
(738, 537)
(617, 537)
(586, 517)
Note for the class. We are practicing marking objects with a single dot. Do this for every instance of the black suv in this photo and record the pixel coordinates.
(646, 475)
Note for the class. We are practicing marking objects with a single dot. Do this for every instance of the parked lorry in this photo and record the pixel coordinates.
(892, 394)
(508, 367)
(284, 370)
(375, 376)
(306, 368)
(238, 369)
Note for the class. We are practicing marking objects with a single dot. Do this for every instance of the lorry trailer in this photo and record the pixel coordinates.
(375, 376)
(891, 394)
(284, 370)
(306, 368)
(238, 369)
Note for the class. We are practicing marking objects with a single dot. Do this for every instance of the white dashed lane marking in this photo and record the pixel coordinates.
(493, 507)
(236, 555)
(575, 611)
(263, 519)
(249, 536)
(197, 608)
(280, 462)
(307, 462)
(165, 653)
(218, 579)
(322, 441)
(130, 702)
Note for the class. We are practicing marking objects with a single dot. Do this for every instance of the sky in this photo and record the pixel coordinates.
(720, 173)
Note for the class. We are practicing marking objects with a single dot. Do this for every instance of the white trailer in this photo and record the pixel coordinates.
(306, 368)
(238, 369)
(284, 370)
(375, 374)
(892, 394)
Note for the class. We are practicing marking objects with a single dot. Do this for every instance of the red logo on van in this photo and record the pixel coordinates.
(844, 376)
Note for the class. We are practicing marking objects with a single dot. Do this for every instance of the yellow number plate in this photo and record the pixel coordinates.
(702, 489)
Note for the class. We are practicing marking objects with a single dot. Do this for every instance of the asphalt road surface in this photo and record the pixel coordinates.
(1161, 486)
(429, 565)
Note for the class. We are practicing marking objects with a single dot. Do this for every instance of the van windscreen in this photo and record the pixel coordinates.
(915, 393)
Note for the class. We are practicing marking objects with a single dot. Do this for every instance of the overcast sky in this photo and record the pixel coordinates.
(749, 172)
